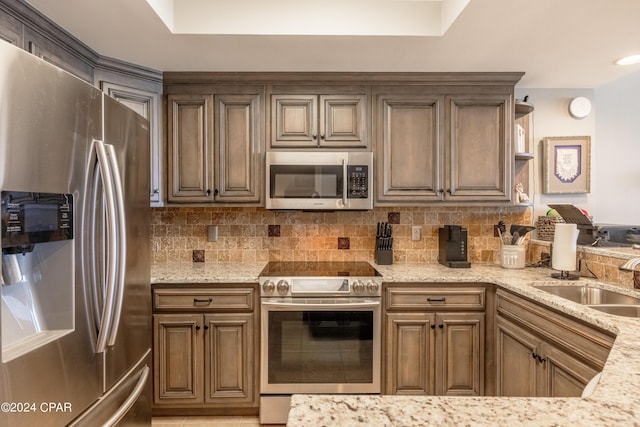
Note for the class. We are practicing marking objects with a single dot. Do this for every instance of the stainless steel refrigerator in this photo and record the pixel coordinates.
(76, 306)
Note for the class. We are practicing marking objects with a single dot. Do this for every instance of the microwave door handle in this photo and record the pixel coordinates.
(345, 182)
(111, 235)
(121, 242)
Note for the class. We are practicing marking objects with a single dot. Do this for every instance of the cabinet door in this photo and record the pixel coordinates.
(294, 120)
(479, 154)
(177, 360)
(561, 374)
(190, 148)
(517, 368)
(238, 136)
(343, 121)
(230, 364)
(460, 354)
(408, 148)
(145, 103)
(410, 351)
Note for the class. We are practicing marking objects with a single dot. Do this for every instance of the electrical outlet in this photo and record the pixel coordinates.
(416, 232)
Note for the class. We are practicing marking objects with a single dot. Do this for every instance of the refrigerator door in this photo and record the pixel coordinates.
(126, 404)
(130, 338)
(47, 119)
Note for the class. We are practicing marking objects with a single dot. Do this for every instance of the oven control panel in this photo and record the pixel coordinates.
(314, 286)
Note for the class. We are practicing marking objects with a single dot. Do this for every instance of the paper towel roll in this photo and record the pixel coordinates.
(564, 247)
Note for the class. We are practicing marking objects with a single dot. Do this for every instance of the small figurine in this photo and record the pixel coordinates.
(520, 194)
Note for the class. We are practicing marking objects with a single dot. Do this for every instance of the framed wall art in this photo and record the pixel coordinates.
(566, 166)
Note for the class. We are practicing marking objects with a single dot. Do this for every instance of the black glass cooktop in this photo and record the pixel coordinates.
(319, 269)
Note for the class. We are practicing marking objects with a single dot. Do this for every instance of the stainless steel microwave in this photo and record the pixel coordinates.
(319, 180)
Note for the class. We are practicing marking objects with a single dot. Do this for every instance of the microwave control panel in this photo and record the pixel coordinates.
(358, 178)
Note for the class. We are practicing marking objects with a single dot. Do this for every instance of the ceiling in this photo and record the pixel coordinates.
(557, 43)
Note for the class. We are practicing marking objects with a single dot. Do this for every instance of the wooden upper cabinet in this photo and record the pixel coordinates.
(479, 154)
(215, 147)
(408, 147)
(325, 121)
(432, 147)
(190, 148)
(238, 148)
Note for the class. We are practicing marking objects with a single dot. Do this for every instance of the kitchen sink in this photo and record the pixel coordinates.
(590, 295)
(619, 310)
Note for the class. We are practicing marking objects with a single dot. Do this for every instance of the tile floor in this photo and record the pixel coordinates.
(217, 421)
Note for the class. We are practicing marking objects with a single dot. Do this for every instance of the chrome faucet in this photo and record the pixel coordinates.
(630, 265)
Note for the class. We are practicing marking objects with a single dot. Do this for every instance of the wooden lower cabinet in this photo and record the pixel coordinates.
(435, 353)
(205, 360)
(541, 353)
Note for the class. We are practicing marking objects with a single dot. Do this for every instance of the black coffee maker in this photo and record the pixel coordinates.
(453, 246)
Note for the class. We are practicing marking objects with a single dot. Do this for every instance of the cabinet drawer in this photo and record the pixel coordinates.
(236, 299)
(574, 336)
(434, 298)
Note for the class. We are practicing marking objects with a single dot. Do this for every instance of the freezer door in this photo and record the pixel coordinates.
(47, 119)
(126, 404)
(128, 133)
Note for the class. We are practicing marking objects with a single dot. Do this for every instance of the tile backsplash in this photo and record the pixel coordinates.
(257, 234)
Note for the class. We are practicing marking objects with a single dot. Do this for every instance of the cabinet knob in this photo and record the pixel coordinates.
(441, 326)
(215, 192)
(206, 327)
(433, 326)
(197, 327)
(208, 192)
(322, 136)
(440, 191)
(314, 136)
(449, 190)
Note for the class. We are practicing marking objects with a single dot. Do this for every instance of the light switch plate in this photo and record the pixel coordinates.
(416, 232)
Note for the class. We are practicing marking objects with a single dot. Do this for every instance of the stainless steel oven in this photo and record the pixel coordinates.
(320, 332)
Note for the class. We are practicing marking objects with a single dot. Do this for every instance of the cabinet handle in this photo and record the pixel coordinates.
(534, 355)
(197, 327)
(542, 359)
(449, 190)
(199, 300)
(440, 191)
(436, 299)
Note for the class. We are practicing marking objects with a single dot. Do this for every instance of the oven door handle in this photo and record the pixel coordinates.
(325, 306)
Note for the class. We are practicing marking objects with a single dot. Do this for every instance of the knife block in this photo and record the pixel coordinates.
(384, 257)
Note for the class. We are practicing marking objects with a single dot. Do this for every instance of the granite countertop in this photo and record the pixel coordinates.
(201, 272)
(612, 403)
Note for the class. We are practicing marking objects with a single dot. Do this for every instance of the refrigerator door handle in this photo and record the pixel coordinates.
(120, 243)
(131, 400)
(111, 267)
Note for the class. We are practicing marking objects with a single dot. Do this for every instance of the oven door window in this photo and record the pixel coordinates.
(306, 182)
(320, 347)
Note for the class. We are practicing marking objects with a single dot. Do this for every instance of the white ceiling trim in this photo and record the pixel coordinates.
(309, 17)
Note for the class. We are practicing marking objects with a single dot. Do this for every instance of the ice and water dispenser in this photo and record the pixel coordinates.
(37, 270)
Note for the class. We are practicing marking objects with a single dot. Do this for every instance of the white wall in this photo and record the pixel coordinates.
(614, 127)
(618, 151)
